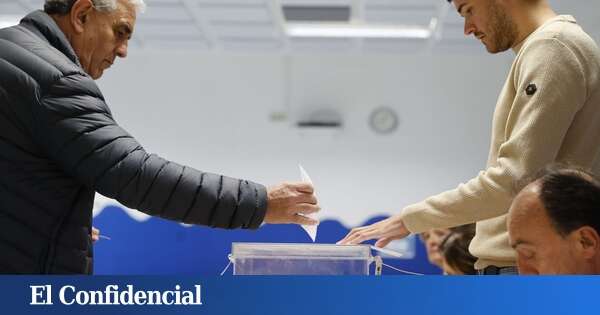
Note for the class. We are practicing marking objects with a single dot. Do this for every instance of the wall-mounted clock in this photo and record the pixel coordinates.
(383, 120)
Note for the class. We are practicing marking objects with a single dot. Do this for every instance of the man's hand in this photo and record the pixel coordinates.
(286, 200)
(384, 231)
(95, 234)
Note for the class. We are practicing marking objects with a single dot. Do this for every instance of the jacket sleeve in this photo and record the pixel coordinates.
(76, 129)
(536, 127)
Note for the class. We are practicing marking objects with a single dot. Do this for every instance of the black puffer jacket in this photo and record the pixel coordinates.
(59, 144)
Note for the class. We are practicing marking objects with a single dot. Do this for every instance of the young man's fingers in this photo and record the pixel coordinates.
(351, 235)
(383, 242)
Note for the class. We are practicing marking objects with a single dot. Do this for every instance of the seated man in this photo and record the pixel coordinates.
(554, 224)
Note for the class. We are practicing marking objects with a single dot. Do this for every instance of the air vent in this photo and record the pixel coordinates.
(296, 13)
(320, 118)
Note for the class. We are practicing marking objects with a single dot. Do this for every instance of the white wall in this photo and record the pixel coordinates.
(586, 12)
(212, 112)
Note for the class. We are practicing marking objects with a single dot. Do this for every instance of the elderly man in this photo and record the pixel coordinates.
(59, 144)
(554, 224)
(548, 110)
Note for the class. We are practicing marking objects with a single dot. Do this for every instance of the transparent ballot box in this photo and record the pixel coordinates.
(302, 259)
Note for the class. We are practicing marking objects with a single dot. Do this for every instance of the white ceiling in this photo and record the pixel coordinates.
(258, 25)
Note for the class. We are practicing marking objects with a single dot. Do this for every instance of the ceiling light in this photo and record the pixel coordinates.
(333, 30)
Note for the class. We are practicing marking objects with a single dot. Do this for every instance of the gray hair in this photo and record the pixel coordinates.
(62, 7)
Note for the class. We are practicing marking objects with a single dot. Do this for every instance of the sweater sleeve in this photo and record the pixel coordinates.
(76, 129)
(535, 129)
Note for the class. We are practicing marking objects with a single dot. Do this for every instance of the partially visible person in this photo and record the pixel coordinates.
(455, 251)
(432, 240)
(554, 223)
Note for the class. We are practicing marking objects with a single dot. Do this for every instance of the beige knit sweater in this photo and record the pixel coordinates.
(559, 121)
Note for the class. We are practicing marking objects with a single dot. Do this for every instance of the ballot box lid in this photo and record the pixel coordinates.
(296, 250)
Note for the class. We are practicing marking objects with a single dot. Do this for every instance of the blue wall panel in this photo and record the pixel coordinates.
(159, 246)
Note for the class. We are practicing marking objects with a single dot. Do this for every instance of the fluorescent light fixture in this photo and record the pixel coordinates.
(9, 20)
(338, 30)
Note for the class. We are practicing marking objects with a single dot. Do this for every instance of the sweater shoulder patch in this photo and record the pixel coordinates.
(531, 89)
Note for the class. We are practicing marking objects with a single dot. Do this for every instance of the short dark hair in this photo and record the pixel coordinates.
(571, 197)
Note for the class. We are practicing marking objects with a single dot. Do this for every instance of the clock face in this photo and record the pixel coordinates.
(383, 120)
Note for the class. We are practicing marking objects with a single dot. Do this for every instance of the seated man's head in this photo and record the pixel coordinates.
(554, 224)
(98, 30)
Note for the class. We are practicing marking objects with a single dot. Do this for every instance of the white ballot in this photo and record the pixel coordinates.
(310, 229)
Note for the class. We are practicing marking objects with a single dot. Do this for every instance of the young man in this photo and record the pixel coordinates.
(548, 110)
